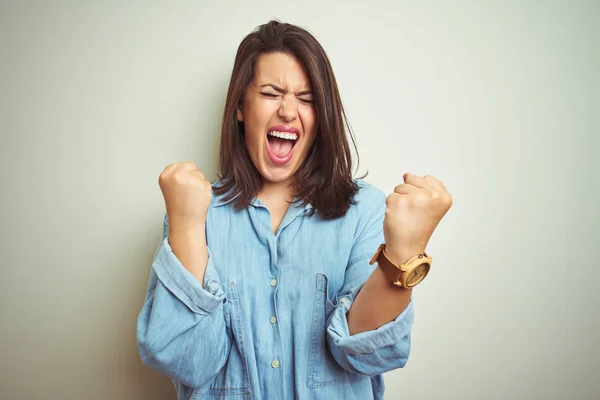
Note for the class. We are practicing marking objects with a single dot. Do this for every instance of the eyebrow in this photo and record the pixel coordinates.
(280, 90)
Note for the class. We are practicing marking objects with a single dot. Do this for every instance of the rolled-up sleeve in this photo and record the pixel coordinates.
(372, 352)
(387, 347)
(183, 285)
(181, 329)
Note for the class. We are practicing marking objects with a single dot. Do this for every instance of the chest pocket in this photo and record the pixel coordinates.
(323, 370)
(233, 378)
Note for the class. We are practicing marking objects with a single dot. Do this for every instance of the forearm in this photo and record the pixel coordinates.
(189, 246)
(379, 301)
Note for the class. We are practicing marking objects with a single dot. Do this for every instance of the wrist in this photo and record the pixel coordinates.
(187, 231)
(186, 225)
(400, 256)
(180, 238)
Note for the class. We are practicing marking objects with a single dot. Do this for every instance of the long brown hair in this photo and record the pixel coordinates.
(325, 178)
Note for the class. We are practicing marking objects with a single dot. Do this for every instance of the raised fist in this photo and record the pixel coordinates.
(413, 212)
(187, 195)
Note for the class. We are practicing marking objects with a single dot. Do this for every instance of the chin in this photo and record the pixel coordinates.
(277, 175)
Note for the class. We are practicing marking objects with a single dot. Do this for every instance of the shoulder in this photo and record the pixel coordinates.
(368, 203)
(368, 196)
(368, 211)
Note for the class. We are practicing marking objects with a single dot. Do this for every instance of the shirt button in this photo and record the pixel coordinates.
(273, 282)
(273, 319)
(275, 363)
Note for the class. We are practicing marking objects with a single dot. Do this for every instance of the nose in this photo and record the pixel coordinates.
(288, 110)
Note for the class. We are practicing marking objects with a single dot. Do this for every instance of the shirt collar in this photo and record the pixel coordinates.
(296, 207)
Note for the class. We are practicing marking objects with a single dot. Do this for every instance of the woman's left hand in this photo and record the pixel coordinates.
(413, 212)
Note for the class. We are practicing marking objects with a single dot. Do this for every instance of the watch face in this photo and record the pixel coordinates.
(417, 275)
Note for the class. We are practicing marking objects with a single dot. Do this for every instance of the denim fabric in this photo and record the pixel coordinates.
(270, 320)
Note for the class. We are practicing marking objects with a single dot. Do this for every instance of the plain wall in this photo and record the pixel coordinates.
(499, 100)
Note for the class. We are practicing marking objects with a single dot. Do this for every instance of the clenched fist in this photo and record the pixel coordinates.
(187, 195)
(413, 212)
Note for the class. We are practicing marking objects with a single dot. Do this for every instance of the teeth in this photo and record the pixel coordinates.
(284, 135)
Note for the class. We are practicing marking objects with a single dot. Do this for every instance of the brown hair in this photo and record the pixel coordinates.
(325, 177)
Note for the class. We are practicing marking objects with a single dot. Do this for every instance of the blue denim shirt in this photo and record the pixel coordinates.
(270, 321)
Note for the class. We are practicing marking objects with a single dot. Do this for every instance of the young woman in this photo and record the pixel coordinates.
(266, 284)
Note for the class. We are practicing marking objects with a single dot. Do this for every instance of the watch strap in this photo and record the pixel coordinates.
(392, 272)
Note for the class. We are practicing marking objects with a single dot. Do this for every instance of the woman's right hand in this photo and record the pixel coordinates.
(187, 195)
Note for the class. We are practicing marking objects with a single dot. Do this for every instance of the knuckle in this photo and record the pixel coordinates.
(448, 199)
(394, 200)
(421, 200)
(163, 177)
(179, 177)
(390, 198)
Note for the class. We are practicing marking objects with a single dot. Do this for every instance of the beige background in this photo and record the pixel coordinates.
(499, 100)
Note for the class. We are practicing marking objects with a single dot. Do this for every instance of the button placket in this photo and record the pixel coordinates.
(274, 283)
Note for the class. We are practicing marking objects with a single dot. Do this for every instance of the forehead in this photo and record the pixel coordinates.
(282, 69)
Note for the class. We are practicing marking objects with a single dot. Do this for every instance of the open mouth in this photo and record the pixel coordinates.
(280, 145)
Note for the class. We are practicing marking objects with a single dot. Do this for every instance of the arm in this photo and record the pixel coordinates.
(374, 338)
(189, 246)
(379, 301)
(412, 214)
(383, 344)
(181, 329)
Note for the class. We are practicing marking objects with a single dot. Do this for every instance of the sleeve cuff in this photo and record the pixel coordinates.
(184, 285)
(370, 341)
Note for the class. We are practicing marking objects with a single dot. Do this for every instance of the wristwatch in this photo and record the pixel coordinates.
(407, 275)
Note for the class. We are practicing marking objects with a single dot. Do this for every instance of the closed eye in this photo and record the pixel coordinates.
(274, 96)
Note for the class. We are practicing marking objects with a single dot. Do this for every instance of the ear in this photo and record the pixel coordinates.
(239, 114)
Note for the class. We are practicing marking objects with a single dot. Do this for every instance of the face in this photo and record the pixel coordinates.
(279, 117)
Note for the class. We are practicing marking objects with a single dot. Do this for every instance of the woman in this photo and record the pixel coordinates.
(262, 286)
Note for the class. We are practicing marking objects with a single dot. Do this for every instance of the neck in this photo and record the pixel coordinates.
(277, 191)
